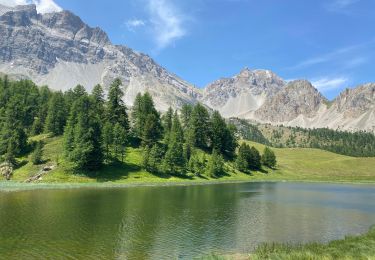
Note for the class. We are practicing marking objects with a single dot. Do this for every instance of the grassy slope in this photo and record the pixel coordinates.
(352, 247)
(293, 164)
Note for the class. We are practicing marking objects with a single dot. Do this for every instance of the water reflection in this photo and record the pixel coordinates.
(177, 222)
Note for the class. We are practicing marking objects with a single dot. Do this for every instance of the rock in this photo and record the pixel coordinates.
(6, 170)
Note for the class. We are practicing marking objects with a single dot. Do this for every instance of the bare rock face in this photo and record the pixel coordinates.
(297, 98)
(60, 50)
(242, 94)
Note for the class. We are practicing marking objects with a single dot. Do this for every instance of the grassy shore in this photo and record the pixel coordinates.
(352, 247)
(294, 164)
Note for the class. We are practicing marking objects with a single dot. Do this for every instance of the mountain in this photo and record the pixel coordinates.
(242, 94)
(60, 50)
(262, 96)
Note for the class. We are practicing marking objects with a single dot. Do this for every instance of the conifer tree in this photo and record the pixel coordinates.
(200, 126)
(186, 111)
(222, 137)
(255, 159)
(107, 138)
(98, 100)
(83, 136)
(269, 158)
(174, 160)
(215, 166)
(243, 158)
(116, 109)
(36, 156)
(119, 140)
(56, 116)
(167, 120)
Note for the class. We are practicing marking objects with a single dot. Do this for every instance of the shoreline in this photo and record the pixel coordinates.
(14, 186)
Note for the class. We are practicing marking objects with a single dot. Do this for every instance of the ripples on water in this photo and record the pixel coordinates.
(177, 222)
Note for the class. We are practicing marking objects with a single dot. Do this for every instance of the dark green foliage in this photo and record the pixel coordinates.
(116, 109)
(222, 136)
(200, 126)
(255, 161)
(197, 164)
(107, 139)
(248, 158)
(98, 101)
(119, 140)
(249, 131)
(186, 112)
(83, 136)
(36, 157)
(269, 158)
(174, 161)
(56, 117)
(215, 167)
(146, 120)
(167, 120)
(243, 158)
(152, 158)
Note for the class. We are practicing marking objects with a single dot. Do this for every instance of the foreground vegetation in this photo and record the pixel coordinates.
(352, 247)
(294, 164)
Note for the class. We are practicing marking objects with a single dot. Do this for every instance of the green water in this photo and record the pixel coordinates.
(177, 222)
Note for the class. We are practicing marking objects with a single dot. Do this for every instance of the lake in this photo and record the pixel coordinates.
(178, 222)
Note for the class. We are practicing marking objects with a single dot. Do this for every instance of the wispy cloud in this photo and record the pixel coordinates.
(168, 22)
(328, 84)
(42, 6)
(340, 6)
(345, 58)
(133, 24)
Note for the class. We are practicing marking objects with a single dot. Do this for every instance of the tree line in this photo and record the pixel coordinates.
(357, 144)
(97, 130)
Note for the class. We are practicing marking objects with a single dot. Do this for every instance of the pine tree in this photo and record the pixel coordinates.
(269, 158)
(243, 158)
(215, 166)
(152, 130)
(167, 119)
(56, 116)
(222, 137)
(107, 138)
(98, 100)
(83, 136)
(186, 111)
(255, 159)
(200, 126)
(116, 109)
(119, 140)
(174, 161)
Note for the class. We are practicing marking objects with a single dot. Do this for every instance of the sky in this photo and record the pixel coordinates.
(329, 42)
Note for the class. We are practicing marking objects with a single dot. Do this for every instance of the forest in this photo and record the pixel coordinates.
(97, 128)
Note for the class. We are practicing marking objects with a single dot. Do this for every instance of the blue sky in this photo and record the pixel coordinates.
(329, 42)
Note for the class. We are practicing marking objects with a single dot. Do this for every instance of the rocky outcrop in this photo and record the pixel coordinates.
(297, 98)
(242, 94)
(6, 170)
(62, 51)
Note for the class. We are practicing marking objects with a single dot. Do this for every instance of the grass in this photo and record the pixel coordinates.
(352, 247)
(294, 164)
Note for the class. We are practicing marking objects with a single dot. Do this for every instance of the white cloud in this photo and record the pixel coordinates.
(327, 84)
(167, 22)
(42, 6)
(134, 23)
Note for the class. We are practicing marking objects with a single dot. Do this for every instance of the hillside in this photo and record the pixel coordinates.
(294, 164)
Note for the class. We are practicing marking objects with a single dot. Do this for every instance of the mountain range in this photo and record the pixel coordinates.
(60, 50)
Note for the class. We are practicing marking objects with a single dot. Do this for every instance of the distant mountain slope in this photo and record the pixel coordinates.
(262, 96)
(59, 50)
(242, 94)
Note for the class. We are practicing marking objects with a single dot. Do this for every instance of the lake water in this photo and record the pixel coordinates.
(179, 222)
